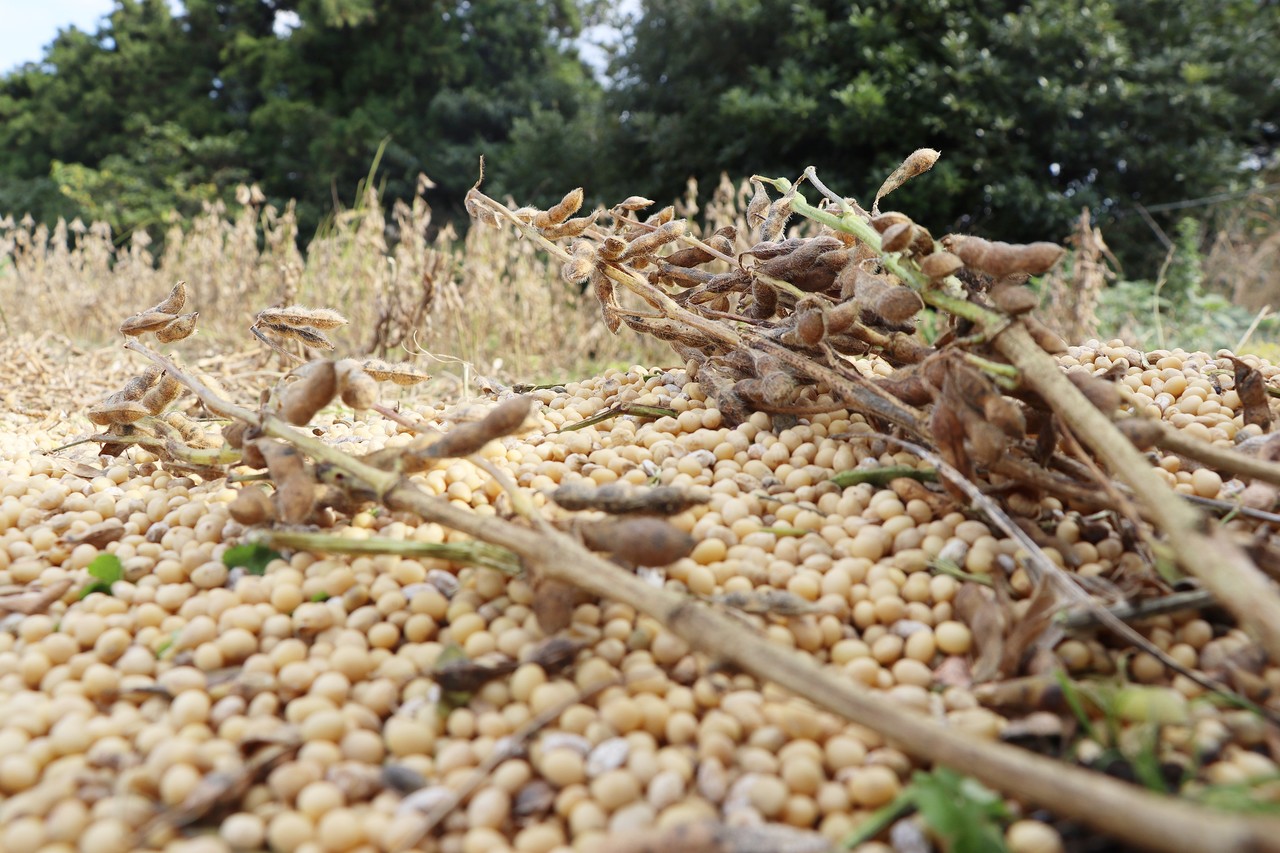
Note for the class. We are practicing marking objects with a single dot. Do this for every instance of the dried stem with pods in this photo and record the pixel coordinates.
(1114, 807)
(790, 328)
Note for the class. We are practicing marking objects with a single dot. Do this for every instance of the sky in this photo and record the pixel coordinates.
(29, 25)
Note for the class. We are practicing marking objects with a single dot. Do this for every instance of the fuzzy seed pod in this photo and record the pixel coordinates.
(986, 440)
(146, 321)
(802, 268)
(758, 207)
(115, 410)
(842, 316)
(940, 265)
(764, 301)
(359, 390)
(775, 223)
(175, 301)
(898, 304)
(884, 221)
(602, 288)
(323, 319)
(662, 217)
(251, 456)
(315, 389)
(612, 247)
(252, 505)
(1011, 298)
(400, 374)
(898, 237)
(572, 228)
(181, 327)
(643, 541)
(295, 484)
(233, 434)
(161, 394)
(689, 257)
(554, 602)
(869, 287)
(646, 244)
(810, 327)
(634, 203)
(140, 384)
(310, 338)
(917, 163)
(1259, 495)
(468, 438)
(576, 269)
(192, 433)
(998, 259)
(561, 211)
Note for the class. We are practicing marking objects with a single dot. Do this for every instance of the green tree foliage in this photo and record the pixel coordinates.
(1039, 107)
(157, 111)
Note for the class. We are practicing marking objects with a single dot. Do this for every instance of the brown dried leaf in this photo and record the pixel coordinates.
(1252, 390)
(917, 163)
(977, 607)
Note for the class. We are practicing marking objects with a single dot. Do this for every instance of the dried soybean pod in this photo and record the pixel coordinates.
(358, 389)
(554, 602)
(940, 265)
(315, 388)
(1144, 433)
(323, 319)
(917, 163)
(646, 244)
(998, 259)
(560, 211)
(602, 288)
(310, 338)
(898, 237)
(612, 247)
(689, 257)
(146, 321)
(572, 228)
(161, 394)
(116, 410)
(295, 485)
(811, 327)
(180, 327)
(764, 301)
(175, 301)
(140, 384)
(233, 434)
(758, 207)
(1005, 414)
(252, 505)
(643, 541)
(898, 304)
(882, 222)
(633, 203)
(1012, 298)
(465, 439)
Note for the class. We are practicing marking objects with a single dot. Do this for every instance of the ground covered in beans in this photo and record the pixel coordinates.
(138, 719)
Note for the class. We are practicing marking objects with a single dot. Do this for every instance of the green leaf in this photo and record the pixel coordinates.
(320, 596)
(106, 569)
(961, 810)
(253, 557)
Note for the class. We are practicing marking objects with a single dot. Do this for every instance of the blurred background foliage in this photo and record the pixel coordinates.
(1041, 108)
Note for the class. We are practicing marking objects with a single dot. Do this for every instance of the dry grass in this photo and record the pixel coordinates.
(411, 290)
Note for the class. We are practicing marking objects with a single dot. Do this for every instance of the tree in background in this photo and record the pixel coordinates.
(1040, 107)
(157, 111)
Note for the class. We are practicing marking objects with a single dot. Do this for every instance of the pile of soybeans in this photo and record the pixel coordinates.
(139, 719)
